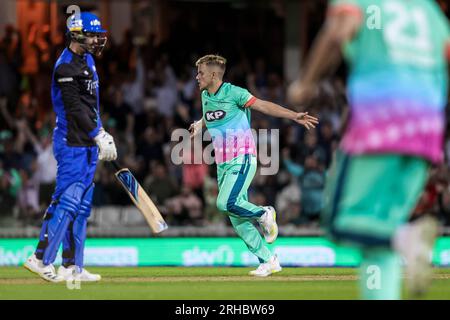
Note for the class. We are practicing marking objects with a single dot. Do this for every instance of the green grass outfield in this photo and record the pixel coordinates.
(172, 283)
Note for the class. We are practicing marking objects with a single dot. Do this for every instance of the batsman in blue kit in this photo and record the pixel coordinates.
(79, 140)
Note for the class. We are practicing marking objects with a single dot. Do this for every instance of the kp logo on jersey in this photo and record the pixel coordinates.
(215, 115)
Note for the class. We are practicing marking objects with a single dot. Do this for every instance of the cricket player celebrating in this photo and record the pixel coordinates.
(226, 114)
(397, 91)
(79, 140)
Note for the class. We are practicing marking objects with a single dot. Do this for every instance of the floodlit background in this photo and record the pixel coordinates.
(148, 89)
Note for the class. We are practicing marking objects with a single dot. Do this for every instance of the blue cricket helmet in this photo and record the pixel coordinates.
(81, 26)
(85, 22)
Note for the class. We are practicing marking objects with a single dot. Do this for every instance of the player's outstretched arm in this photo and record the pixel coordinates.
(275, 110)
(341, 26)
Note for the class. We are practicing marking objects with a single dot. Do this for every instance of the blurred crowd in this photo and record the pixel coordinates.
(148, 89)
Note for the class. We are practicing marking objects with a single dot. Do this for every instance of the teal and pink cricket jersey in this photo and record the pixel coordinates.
(397, 86)
(227, 119)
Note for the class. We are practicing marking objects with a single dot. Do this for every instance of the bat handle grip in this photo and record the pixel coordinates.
(115, 165)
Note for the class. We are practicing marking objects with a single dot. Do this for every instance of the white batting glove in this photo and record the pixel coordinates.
(107, 148)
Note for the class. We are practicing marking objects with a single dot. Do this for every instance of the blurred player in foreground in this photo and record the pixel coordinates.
(79, 140)
(226, 115)
(397, 90)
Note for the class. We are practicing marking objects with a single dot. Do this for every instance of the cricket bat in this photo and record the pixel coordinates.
(140, 199)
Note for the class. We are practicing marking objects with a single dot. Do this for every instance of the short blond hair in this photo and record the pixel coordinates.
(212, 60)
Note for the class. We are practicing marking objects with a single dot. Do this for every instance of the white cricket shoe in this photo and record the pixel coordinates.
(70, 274)
(268, 224)
(47, 273)
(267, 268)
(415, 243)
(33, 264)
(66, 273)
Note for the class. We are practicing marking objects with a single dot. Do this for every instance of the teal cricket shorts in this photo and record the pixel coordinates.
(368, 197)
